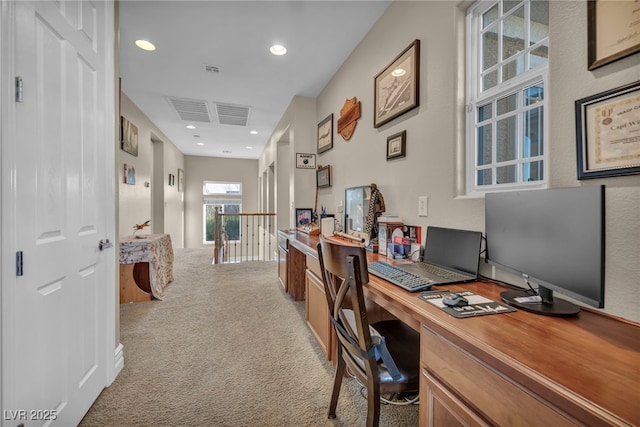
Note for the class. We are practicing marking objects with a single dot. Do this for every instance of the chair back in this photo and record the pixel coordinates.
(344, 270)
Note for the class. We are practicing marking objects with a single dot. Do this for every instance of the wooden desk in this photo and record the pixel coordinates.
(511, 369)
(146, 267)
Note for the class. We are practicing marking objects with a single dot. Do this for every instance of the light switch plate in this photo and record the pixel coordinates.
(423, 206)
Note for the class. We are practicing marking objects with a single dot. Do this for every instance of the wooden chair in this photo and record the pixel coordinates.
(383, 356)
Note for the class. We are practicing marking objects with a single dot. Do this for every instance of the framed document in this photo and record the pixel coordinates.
(608, 133)
(323, 177)
(305, 161)
(397, 145)
(613, 31)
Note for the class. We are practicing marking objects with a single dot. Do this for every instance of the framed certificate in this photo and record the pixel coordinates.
(613, 29)
(608, 133)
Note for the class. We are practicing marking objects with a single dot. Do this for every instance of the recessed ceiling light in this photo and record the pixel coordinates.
(253, 132)
(248, 147)
(200, 143)
(278, 49)
(398, 72)
(145, 45)
(191, 127)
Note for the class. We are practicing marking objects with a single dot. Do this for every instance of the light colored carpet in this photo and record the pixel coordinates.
(226, 347)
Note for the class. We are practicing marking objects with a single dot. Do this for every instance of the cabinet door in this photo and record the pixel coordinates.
(317, 315)
(438, 407)
(282, 267)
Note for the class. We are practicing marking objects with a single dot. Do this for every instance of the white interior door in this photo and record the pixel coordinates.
(54, 315)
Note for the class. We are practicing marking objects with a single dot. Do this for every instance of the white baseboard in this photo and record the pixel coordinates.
(118, 363)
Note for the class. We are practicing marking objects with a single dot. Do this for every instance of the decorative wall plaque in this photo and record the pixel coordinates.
(349, 114)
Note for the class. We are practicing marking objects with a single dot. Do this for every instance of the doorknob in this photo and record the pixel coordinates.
(103, 244)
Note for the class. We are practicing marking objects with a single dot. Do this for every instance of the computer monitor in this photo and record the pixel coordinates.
(553, 238)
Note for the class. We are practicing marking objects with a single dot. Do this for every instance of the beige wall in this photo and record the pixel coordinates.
(199, 169)
(434, 165)
(136, 202)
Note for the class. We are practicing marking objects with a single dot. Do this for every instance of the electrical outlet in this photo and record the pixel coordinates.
(423, 206)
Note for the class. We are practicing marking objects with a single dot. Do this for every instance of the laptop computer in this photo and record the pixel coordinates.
(450, 256)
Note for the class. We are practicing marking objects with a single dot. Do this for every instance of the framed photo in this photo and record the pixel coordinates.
(612, 29)
(608, 133)
(303, 217)
(397, 86)
(180, 180)
(325, 134)
(128, 136)
(172, 180)
(305, 161)
(397, 145)
(323, 177)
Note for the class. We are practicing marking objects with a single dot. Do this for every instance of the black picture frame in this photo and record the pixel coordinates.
(325, 134)
(397, 145)
(323, 176)
(304, 216)
(610, 32)
(606, 126)
(397, 93)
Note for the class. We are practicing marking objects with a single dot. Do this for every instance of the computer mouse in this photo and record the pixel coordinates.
(454, 300)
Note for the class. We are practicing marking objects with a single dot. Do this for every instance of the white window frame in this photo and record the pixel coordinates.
(217, 198)
(475, 98)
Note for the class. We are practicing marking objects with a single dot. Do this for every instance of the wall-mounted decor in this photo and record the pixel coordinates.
(608, 133)
(349, 115)
(325, 134)
(172, 180)
(397, 145)
(305, 161)
(612, 28)
(129, 174)
(397, 86)
(323, 176)
(180, 180)
(128, 136)
(303, 216)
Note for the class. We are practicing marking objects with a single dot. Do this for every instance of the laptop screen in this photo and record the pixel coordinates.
(451, 248)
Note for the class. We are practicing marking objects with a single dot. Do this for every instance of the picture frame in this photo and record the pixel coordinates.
(325, 134)
(128, 137)
(180, 180)
(607, 128)
(397, 145)
(172, 180)
(303, 217)
(397, 86)
(305, 161)
(611, 28)
(323, 177)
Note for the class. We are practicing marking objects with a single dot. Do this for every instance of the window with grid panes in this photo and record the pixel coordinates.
(507, 54)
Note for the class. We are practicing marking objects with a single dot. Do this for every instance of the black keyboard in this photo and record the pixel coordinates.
(399, 277)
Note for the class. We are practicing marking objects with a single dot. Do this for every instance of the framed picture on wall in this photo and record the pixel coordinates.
(607, 128)
(397, 145)
(128, 136)
(180, 180)
(397, 86)
(612, 28)
(325, 134)
(323, 177)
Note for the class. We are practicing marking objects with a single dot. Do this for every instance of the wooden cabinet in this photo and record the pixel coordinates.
(282, 267)
(317, 311)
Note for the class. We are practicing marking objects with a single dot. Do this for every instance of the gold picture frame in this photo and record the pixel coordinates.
(612, 30)
(397, 86)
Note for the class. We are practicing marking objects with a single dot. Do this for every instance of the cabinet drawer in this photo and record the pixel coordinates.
(493, 396)
(313, 264)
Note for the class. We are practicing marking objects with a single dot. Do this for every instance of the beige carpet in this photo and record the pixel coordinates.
(226, 348)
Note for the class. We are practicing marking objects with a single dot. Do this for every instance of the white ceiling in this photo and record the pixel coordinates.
(235, 36)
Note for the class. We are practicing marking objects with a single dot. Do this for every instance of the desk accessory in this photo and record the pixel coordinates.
(478, 305)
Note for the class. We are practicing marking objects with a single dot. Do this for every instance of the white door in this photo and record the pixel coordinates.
(60, 158)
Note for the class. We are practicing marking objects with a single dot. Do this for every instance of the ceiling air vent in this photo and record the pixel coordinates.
(237, 115)
(213, 69)
(191, 110)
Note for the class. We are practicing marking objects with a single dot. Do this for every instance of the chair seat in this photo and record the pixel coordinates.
(404, 345)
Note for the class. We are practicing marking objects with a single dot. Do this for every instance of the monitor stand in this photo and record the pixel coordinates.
(548, 307)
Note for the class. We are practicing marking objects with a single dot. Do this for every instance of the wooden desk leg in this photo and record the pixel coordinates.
(130, 291)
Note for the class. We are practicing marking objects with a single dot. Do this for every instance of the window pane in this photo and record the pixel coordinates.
(490, 48)
(484, 177)
(506, 174)
(485, 112)
(533, 142)
(513, 34)
(513, 68)
(231, 224)
(489, 80)
(222, 188)
(507, 104)
(539, 25)
(539, 55)
(484, 146)
(532, 171)
(490, 16)
(506, 137)
(533, 95)
(508, 5)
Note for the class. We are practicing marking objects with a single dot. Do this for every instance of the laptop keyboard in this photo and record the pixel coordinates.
(398, 277)
(434, 270)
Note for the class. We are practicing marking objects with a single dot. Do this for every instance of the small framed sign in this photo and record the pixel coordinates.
(305, 161)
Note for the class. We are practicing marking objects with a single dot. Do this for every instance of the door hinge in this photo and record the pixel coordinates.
(19, 263)
(18, 89)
